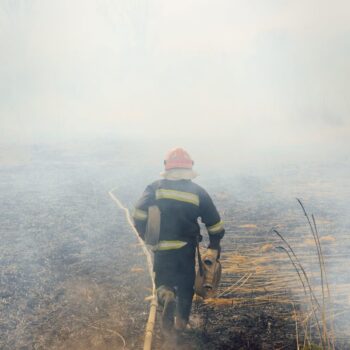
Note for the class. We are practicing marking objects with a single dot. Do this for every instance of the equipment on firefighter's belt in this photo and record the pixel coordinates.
(153, 226)
(208, 274)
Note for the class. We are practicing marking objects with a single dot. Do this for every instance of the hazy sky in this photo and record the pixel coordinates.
(259, 74)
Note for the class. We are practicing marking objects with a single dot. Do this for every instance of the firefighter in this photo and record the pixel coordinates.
(181, 202)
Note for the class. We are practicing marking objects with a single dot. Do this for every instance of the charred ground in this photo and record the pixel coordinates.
(73, 276)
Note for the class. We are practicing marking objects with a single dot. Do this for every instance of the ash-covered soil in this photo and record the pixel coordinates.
(73, 276)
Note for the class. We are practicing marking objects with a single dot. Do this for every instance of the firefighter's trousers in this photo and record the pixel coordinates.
(175, 269)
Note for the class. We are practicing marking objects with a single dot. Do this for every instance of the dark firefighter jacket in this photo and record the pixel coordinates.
(181, 203)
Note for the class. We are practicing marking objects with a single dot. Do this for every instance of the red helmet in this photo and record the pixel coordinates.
(178, 158)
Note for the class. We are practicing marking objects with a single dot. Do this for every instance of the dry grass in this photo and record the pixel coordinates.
(259, 277)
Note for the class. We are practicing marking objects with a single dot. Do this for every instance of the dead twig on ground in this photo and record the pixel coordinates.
(111, 331)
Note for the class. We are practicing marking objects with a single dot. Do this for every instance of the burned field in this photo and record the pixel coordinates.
(73, 275)
(68, 264)
(263, 303)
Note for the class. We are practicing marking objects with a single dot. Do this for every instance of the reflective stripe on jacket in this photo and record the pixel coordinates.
(181, 203)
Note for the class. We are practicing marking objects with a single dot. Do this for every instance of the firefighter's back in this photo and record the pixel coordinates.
(179, 204)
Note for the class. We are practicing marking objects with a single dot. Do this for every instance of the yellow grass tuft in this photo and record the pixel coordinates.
(266, 247)
(328, 238)
(247, 226)
(137, 269)
(309, 241)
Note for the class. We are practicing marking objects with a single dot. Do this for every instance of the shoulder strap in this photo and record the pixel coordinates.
(200, 263)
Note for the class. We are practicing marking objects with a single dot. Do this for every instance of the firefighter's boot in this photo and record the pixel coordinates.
(166, 299)
(180, 324)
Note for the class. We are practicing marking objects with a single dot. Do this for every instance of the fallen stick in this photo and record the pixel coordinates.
(231, 289)
(111, 331)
